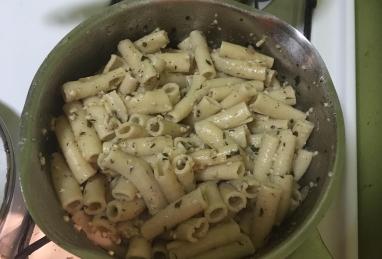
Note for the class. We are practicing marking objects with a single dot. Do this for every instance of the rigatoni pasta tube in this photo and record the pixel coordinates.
(183, 165)
(219, 235)
(234, 199)
(285, 153)
(152, 42)
(89, 86)
(114, 63)
(166, 178)
(149, 102)
(80, 168)
(146, 146)
(102, 122)
(130, 130)
(176, 212)
(139, 173)
(219, 93)
(264, 159)
(159, 251)
(128, 85)
(202, 55)
(301, 163)
(173, 92)
(209, 157)
(264, 216)
(179, 62)
(244, 93)
(123, 190)
(302, 130)
(86, 136)
(232, 117)
(285, 184)
(234, 51)
(66, 187)
(221, 82)
(239, 135)
(139, 248)
(205, 108)
(183, 108)
(139, 118)
(118, 210)
(266, 105)
(142, 69)
(158, 126)
(227, 171)
(192, 230)
(239, 68)
(210, 134)
(217, 209)
(95, 195)
(266, 125)
(239, 249)
(286, 95)
(248, 185)
(115, 106)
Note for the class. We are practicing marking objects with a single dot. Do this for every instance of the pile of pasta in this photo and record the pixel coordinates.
(180, 153)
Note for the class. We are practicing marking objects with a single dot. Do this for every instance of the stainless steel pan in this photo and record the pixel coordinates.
(83, 51)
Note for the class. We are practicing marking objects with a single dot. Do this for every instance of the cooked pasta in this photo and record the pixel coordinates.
(181, 153)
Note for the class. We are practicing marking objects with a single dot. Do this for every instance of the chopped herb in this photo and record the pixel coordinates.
(233, 153)
(178, 204)
(165, 154)
(254, 149)
(208, 62)
(197, 113)
(112, 161)
(283, 144)
(152, 145)
(261, 213)
(295, 133)
(273, 126)
(291, 121)
(89, 123)
(82, 133)
(144, 44)
(175, 67)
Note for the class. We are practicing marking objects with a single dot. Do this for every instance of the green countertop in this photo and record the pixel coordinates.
(369, 125)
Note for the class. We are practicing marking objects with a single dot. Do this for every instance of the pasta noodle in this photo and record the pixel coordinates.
(95, 195)
(80, 168)
(176, 212)
(183, 165)
(118, 210)
(273, 108)
(219, 235)
(139, 173)
(216, 210)
(202, 55)
(66, 186)
(85, 135)
(139, 248)
(192, 230)
(89, 86)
